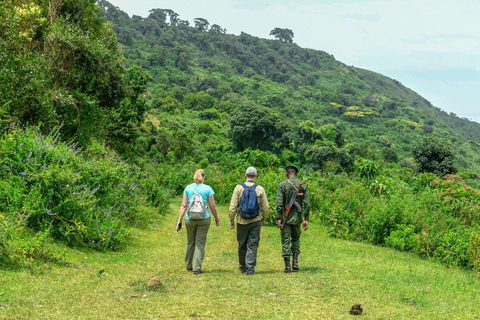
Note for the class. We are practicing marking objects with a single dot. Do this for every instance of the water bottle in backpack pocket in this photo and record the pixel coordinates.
(249, 207)
(196, 208)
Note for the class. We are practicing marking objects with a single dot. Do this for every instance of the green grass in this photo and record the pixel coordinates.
(335, 274)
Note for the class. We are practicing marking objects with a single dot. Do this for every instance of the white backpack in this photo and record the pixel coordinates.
(196, 208)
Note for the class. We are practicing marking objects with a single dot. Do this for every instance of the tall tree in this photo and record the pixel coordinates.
(284, 35)
(159, 15)
(173, 16)
(256, 127)
(434, 155)
(215, 28)
(201, 24)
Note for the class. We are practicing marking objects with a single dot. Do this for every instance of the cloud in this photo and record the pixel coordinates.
(364, 17)
(444, 37)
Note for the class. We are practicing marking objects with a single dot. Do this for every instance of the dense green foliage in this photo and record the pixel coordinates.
(62, 64)
(55, 190)
(434, 155)
(63, 77)
(437, 219)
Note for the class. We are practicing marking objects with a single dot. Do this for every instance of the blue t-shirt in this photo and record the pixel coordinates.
(205, 190)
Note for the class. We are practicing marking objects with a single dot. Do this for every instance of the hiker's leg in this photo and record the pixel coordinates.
(253, 241)
(191, 231)
(200, 242)
(242, 236)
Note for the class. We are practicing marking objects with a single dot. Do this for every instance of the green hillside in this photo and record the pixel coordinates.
(202, 73)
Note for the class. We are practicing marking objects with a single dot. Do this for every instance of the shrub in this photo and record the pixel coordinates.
(424, 180)
(209, 114)
(434, 155)
(403, 238)
(368, 169)
(389, 155)
(56, 190)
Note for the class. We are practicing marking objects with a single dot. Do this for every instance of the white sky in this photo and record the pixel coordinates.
(431, 46)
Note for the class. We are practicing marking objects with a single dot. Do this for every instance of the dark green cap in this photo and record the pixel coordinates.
(291, 167)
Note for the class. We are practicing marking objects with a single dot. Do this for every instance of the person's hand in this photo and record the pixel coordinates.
(279, 223)
(305, 225)
(232, 226)
(179, 226)
(217, 222)
(263, 223)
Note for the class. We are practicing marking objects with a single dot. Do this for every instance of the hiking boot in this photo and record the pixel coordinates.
(242, 269)
(196, 272)
(295, 262)
(250, 273)
(288, 268)
(189, 269)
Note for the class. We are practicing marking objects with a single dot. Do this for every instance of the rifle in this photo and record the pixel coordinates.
(293, 202)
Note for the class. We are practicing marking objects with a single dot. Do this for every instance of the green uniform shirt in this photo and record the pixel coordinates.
(284, 195)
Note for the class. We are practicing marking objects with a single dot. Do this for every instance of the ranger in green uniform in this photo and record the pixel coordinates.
(291, 230)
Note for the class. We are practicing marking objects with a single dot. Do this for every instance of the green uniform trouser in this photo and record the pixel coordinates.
(248, 237)
(197, 230)
(290, 239)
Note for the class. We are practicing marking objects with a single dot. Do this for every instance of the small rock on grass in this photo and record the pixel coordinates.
(154, 282)
(356, 310)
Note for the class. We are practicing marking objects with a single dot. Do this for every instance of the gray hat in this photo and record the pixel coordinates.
(251, 171)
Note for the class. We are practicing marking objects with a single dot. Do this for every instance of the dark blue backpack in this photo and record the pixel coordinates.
(249, 208)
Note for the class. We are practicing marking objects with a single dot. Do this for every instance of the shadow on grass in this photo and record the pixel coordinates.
(307, 269)
(269, 271)
(214, 271)
(311, 269)
(237, 272)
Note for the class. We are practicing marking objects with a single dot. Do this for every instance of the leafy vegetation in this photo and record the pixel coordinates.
(431, 217)
(56, 190)
(59, 62)
(292, 94)
(434, 155)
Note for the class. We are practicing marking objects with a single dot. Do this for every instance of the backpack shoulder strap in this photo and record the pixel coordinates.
(244, 185)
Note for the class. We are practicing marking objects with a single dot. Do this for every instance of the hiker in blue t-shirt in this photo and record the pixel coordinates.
(197, 220)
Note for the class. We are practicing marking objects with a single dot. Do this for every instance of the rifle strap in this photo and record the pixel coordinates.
(291, 183)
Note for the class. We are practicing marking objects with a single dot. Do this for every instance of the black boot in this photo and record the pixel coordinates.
(295, 262)
(288, 268)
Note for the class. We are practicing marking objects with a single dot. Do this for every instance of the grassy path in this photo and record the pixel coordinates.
(334, 275)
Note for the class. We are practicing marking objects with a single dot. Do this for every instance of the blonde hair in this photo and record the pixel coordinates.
(199, 176)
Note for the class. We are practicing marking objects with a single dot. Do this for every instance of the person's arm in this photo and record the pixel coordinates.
(232, 211)
(213, 208)
(264, 206)
(279, 202)
(183, 208)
